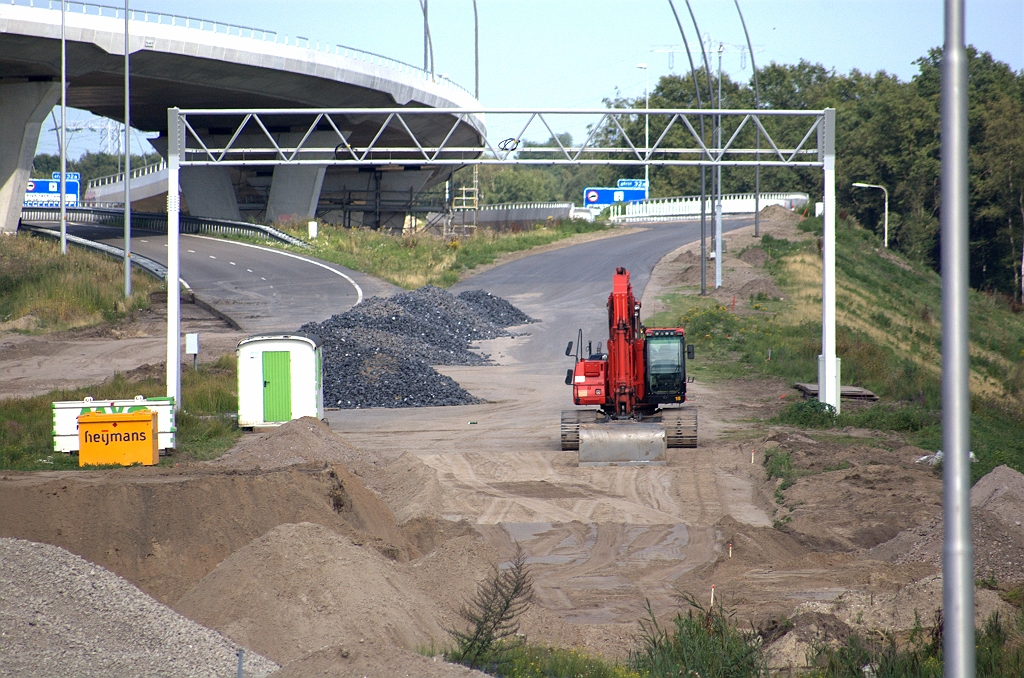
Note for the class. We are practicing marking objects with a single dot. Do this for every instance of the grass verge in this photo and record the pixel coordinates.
(414, 261)
(889, 336)
(48, 291)
(204, 430)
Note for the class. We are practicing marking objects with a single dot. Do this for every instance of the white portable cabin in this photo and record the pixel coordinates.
(280, 378)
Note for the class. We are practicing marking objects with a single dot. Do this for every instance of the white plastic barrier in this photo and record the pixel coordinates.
(65, 418)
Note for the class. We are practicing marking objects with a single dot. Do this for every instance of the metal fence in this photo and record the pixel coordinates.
(145, 221)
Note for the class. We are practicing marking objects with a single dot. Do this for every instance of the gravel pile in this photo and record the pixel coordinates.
(495, 309)
(379, 353)
(64, 616)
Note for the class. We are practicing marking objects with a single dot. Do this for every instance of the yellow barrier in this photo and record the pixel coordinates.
(124, 438)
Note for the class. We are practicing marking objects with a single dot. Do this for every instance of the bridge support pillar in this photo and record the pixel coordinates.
(208, 191)
(23, 108)
(295, 192)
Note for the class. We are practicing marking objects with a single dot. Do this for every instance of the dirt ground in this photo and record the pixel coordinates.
(341, 551)
(33, 364)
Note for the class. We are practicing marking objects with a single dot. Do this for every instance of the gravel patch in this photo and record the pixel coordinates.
(380, 353)
(61, 615)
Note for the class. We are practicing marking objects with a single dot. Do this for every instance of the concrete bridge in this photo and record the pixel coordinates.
(193, 63)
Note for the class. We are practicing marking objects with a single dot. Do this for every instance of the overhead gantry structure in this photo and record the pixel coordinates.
(418, 139)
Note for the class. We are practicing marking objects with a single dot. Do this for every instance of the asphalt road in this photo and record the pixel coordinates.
(568, 288)
(262, 289)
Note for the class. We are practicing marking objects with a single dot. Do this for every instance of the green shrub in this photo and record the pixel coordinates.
(811, 413)
(703, 642)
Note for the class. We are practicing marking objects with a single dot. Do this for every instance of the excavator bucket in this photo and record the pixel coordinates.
(622, 443)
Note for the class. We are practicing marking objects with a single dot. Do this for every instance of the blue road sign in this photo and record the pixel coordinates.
(46, 193)
(76, 176)
(631, 183)
(594, 196)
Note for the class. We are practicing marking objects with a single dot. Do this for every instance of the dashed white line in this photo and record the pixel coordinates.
(212, 257)
(249, 270)
(232, 263)
(192, 251)
(262, 278)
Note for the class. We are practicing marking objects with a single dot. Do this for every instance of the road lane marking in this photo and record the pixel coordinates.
(212, 257)
(232, 263)
(359, 290)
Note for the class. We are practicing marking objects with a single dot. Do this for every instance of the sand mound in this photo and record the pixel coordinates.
(303, 587)
(64, 616)
(1001, 492)
(165, 529)
(363, 662)
(997, 512)
(299, 441)
(409, 487)
(780, 213)
(757, 287)
(755, 256)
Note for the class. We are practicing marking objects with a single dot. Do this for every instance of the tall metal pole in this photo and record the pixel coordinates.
(175, 147)
(63, 132)
(476, 53)
(828, 363)
(426, 33)
(696, 89)
(703, 174)
(957, 551)
(757, 132)
(127, 166)
(647, 130)
(718, 186)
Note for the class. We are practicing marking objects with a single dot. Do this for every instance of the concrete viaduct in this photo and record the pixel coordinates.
(191, 63)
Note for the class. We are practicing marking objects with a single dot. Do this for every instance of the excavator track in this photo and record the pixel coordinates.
(680, 426)
(571, 420)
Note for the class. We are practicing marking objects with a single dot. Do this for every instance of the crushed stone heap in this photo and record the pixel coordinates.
(65, 616)
(380, 353)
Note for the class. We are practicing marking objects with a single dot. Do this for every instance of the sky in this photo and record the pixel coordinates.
(576, 53)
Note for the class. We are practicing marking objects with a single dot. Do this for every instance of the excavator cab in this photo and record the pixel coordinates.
(665, 360)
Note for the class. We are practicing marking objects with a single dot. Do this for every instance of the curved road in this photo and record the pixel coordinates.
(262, 289)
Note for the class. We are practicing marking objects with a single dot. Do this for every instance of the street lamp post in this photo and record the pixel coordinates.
(63, 131)
(647, 129)
(886, 221)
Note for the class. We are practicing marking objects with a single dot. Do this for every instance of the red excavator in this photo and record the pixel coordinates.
(638, 387)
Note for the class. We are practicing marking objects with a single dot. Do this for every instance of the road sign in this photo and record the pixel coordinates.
(631, 183)
(76, 176)
(46, 193)
(610, 196)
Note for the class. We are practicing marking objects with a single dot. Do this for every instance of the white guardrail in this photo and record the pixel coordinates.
(259, 34)
(688, 206)
(119, 177)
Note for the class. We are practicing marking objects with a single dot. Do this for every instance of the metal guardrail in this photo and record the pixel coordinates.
(146, 221)
(154, 268)
(236, 30)
(526, 205)
(119, 177)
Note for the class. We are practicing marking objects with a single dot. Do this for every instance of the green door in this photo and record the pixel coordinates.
(277, 386)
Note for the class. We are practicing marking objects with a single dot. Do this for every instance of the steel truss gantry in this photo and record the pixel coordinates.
(424, 138)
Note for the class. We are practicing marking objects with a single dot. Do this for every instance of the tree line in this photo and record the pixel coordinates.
(887, 133)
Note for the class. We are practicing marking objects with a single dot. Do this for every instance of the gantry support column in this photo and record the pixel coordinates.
(23, 108)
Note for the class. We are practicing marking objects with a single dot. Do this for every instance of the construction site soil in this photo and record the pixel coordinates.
(342, 550)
